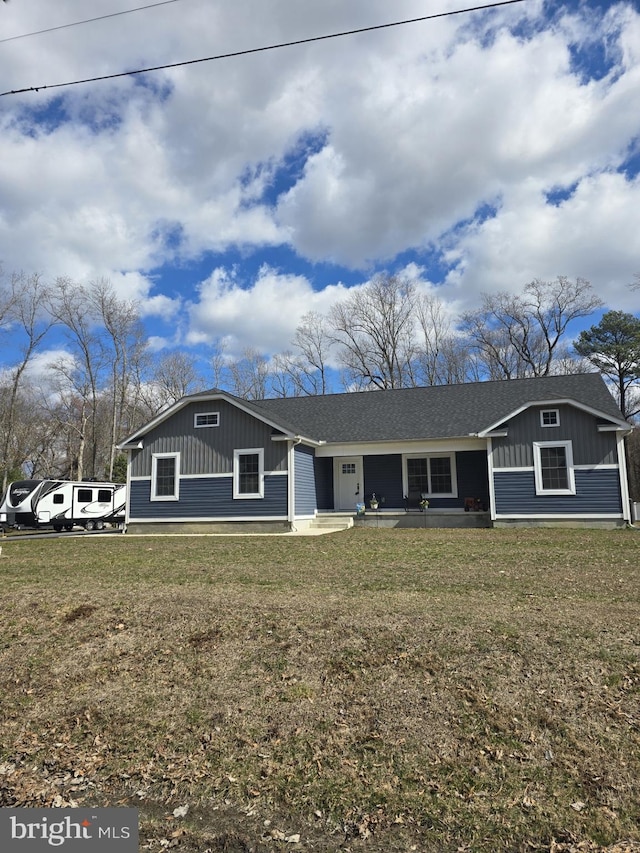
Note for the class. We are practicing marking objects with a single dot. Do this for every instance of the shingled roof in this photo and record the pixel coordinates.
(441, 411)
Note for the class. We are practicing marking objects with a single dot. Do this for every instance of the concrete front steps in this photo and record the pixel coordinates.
(332, 523)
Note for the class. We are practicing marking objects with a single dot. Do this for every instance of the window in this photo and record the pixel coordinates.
(348, 467)
(248, 473)
(553, 467)
(431, 475)
(165, 476)
(104, 495)
(84, 496)
(58, 499)
(206, 419)
(549, 417)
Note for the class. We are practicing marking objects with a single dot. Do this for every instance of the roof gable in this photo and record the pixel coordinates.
(434, 412)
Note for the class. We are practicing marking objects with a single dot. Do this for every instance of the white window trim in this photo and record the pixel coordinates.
(176, 485)
(549, 426)
(537, 467)
(249, 451)
(454, 478)
(197, 415)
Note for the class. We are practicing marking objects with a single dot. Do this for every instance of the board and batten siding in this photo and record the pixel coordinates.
(323, 470)
(209, 450)
(597, 493)
(383, 475)
(209, 498)
(590, 447)
(305, 481)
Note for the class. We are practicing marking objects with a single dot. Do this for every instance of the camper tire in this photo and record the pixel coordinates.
(57, 527)
(99, 524)
(90, 525)
(68, 527)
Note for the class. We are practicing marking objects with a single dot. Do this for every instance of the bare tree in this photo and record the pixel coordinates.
(26, 314)
(123, 344)
(71, 306)
(374, 330)
(443, 355)
(249, 375)
(518, 336)
(313, 341)
(174, 375)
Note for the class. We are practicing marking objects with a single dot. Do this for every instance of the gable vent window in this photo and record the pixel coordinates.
(550, 418)
(206, 419)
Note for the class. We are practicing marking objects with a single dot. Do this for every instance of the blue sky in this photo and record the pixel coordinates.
(477, 152)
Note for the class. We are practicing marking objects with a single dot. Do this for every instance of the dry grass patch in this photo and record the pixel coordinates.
(379, 690)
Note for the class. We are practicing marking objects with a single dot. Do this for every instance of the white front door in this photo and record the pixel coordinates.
(348, 485)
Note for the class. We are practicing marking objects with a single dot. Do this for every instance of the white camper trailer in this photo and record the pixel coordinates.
(62, 504)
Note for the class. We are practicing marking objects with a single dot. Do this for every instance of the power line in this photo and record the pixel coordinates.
(87, 21)
(260, 49)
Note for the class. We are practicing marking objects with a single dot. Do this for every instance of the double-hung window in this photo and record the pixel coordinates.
(165, 476)
(553, 467)
(248, 473)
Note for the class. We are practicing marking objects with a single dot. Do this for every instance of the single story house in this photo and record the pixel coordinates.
(526, 451)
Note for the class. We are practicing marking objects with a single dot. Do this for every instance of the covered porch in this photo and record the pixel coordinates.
(430, 518)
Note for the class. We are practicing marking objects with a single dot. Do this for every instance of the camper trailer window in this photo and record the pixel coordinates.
(104, 495)
(58, 499)
(85, 496)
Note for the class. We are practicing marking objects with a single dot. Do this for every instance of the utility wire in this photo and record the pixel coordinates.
(88, 21)
(260, 49)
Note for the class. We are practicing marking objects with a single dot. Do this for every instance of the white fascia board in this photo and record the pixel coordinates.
(617, 423)
(383, 448)
(299, 439)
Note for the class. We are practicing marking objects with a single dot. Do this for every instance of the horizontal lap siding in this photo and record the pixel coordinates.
(209, 498)
(597, 492)
(305, 481)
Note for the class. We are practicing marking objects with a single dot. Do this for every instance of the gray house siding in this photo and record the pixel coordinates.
(597, 492)
(305, 481)
(209, 450)
(209, 498)
(590, 447)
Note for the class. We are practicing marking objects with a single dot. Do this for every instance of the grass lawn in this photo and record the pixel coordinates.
(372, 690)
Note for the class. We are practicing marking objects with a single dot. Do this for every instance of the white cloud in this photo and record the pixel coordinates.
(592, 235)
(264, 314)
(422, 126)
